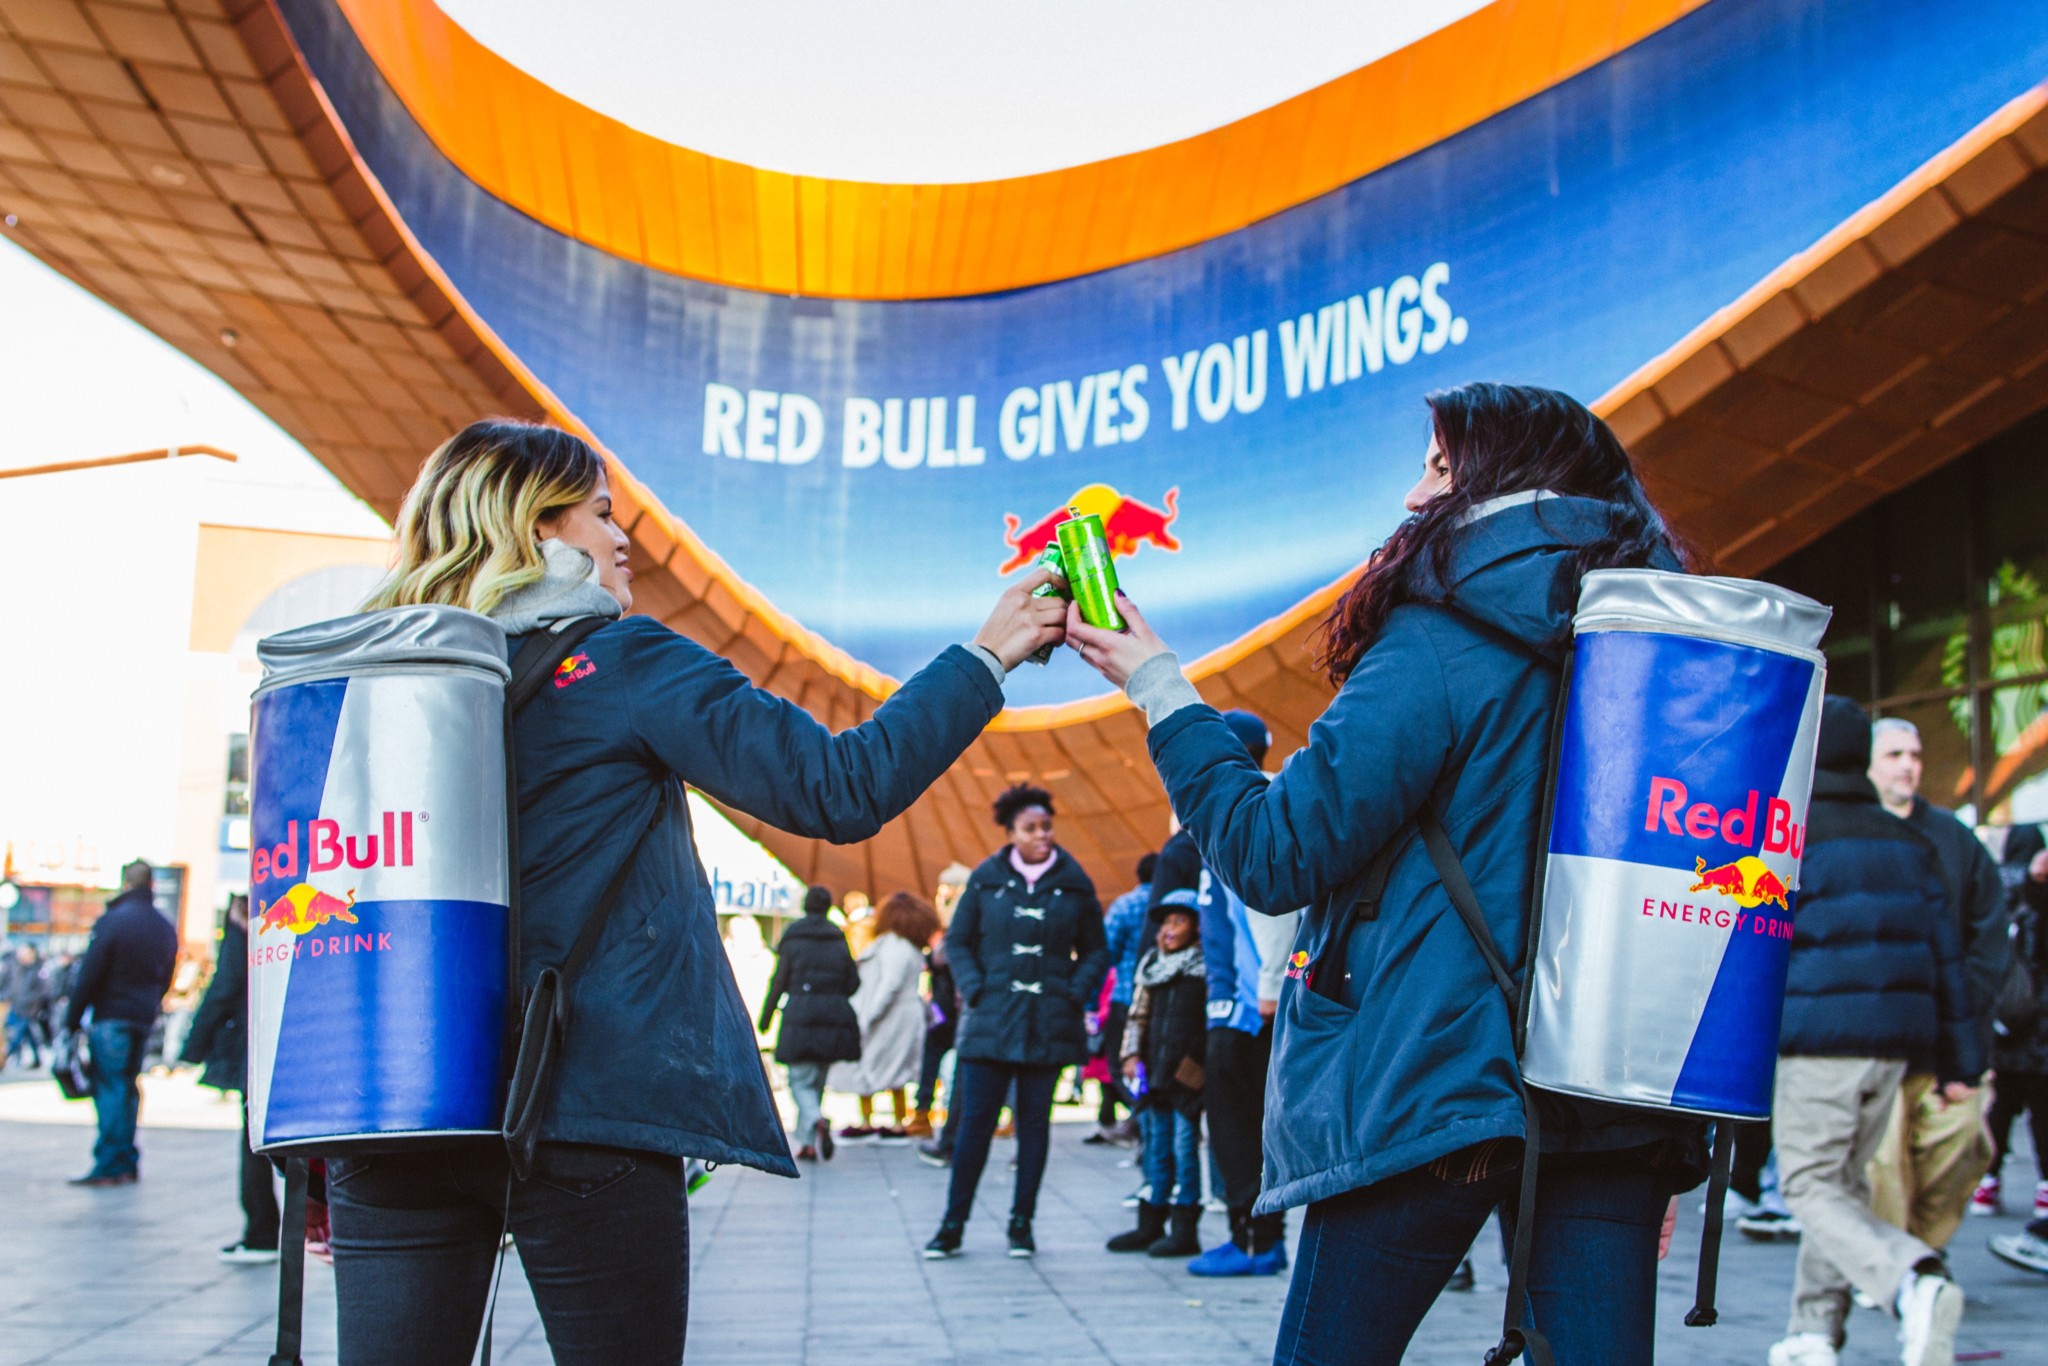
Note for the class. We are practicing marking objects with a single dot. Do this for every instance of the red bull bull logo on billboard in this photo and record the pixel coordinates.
(1126, 523)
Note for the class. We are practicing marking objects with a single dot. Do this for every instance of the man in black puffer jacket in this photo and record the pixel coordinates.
(1876, 978)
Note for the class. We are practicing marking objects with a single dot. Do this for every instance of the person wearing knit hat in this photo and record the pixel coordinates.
(1876, 978)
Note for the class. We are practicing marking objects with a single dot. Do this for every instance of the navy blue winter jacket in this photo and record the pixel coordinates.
(1877, 956)
(1418, 1060)
(128, 965)
(660, 1054)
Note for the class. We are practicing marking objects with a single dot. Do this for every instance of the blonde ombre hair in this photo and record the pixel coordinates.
(467, 531)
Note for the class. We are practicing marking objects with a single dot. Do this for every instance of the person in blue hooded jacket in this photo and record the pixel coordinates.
(1395, 1109)
(659, 1063)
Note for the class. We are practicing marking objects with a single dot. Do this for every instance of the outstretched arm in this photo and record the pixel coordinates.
(700, 717)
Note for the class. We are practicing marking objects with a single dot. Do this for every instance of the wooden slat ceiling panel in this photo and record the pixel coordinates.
(180, 164)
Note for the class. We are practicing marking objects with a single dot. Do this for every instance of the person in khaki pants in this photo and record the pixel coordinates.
(1876, 978)
(1936, 1146)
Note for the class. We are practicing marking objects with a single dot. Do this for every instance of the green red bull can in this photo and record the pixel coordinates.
(1090, 569)
(1049, 558)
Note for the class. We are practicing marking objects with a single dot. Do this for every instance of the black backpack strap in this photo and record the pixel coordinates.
(1459, 888)
(543, 653)
(291, 1265)
(1703, 1314)
(1359, 900)
(1514, 1337)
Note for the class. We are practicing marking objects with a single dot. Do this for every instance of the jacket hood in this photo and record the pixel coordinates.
(1511, 565)
(813, 927)
(1844, 742)
(1834, 785)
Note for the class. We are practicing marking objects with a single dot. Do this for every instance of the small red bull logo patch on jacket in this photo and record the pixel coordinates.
(576, 666)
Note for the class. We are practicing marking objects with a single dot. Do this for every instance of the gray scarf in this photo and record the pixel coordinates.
(1164, 967)
(569, 589)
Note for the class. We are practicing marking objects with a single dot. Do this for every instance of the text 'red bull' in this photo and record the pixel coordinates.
(328, 847)
(1780, 834)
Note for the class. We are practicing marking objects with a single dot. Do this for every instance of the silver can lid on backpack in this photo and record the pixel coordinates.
(404, 637)
(1743, 610)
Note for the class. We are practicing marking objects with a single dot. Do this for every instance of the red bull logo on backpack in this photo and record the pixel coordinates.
(379, 957)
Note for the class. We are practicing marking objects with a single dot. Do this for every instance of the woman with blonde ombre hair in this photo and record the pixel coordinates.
(658, 1064)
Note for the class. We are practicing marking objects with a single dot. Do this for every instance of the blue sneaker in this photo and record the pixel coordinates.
(1271, 1262)
(1225, 1259)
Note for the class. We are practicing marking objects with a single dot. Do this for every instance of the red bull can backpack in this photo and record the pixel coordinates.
(384, 929)
(1681, 759)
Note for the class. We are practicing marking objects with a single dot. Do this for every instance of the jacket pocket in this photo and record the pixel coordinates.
(1319, 1050)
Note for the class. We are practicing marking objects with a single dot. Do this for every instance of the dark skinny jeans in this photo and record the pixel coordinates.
(603, 1235)
(1372, 1261)
(978, 1092)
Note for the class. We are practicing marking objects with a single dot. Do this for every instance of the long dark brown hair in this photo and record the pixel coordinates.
(1498, 439)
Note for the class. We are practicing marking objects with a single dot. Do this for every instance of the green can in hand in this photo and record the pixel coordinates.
(1090, 569)
(1049, 558)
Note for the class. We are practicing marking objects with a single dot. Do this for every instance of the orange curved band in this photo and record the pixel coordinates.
(686, 213)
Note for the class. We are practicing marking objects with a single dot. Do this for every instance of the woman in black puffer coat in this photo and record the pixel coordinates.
(815, 971)
(218, 1040)
(1028, 950)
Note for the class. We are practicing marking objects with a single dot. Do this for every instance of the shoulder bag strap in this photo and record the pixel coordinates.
(1514, 1338)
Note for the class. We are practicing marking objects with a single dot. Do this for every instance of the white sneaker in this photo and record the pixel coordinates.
(1804, 1349)
(241, 1254)
(1930, 1310)
(2023, 1250)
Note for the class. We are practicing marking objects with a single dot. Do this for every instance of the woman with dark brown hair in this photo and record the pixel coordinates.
(1395, 1110)
(891, 1014)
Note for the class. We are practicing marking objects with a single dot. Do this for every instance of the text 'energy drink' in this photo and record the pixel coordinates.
(1090, 570)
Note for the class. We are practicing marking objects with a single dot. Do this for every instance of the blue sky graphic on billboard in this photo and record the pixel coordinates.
(1249, 410)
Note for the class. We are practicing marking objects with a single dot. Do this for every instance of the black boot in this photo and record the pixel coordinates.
(1021, 1242)
(1151, 1225)
(946, 1242)
(1181, 1239)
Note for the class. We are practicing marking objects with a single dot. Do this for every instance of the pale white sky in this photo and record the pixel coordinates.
(97, 571)
(924, 91)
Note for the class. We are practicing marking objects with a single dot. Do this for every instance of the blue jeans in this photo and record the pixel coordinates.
(979, 1089)
(116, 1061)
(1173, 1156)
(807, 1089)
(24, 1032)
(603, 1235)
(1373, 1260)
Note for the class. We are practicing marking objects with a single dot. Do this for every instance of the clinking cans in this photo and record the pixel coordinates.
(1090, 569)
(379, 931)
(1685, 761)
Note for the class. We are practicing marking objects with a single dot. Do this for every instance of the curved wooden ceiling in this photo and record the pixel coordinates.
(183, 166)
(681, 211)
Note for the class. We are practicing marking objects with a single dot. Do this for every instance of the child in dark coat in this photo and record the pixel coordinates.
(1162, 1055)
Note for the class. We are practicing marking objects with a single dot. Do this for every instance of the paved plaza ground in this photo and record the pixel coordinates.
(824, 1270)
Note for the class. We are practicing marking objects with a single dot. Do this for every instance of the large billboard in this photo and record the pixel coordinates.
(1244, 412)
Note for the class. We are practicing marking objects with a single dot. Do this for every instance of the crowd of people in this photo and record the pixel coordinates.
(1287, 986)
(1165, 999)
